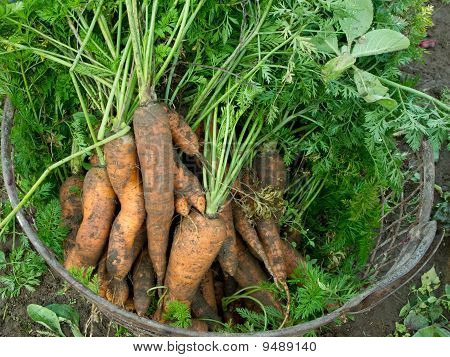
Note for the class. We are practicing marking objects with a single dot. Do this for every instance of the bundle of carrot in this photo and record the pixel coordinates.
(149, 225)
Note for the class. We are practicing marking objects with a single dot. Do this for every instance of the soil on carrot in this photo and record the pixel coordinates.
(380, 321)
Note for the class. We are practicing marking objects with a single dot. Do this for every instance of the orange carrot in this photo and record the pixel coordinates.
(228, 252)
(196, 243)
(123, 171)
(292, 258)
(139, 242)
(271, 241)
(208, 291)
(129, 305)
(182, 206)
(249, 235)
(186, 184)
(249, 273)
(201, 309)
(118, 292)
(270, 168)
(198, 325)
(102, 276)
(271, 172)
(99, 201)
(155, 150)
(183, 136)
(71, 208)
(143, 280)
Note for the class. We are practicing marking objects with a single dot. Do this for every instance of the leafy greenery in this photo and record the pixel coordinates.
(425, 313)
(86, 277)
(178, 314)
(20, 269)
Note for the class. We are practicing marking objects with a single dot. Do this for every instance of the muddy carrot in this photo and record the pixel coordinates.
(99, 201)
(71, 208)
(207, 289)
(143, 280)
(155, 151)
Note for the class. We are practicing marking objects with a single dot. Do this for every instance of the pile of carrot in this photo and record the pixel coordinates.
(140, 221)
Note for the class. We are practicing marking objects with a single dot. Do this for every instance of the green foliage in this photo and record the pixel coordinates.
(20, 269)
(425, 313)
(313, 293)
(51, 316)
(50, 230)
(120, 331)
(178, 314)
(86, 277)
(316, 291)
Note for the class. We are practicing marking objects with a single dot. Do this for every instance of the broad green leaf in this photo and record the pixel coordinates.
(404, 310)
(358, 19)
(432, 331)
(371, 90)
(435, 311)
(378, 42)
(326, 43)
(335, 67)
(65, 312)
(415, 321)
(447, 290)
(68, 314)
(45, 317)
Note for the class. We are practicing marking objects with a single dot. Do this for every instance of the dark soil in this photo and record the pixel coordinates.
(380, 321)
(14, 320)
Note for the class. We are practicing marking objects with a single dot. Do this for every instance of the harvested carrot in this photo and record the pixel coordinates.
(207, 289)
(228, 252)
(249, 235)
(182, 206)
(102, 276)
(99, 201)
(196, 243)
(249, 273)
(198, 325)
(292, 258)
(129, 305)
(271, 241)
(186, 184)
(270, 167)
(71, 208)
(139, 242)
(123, 171)
(201, 309)
(271, 172)
(118, 292)
(155, 151)
(183, 136)
(143, 280)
